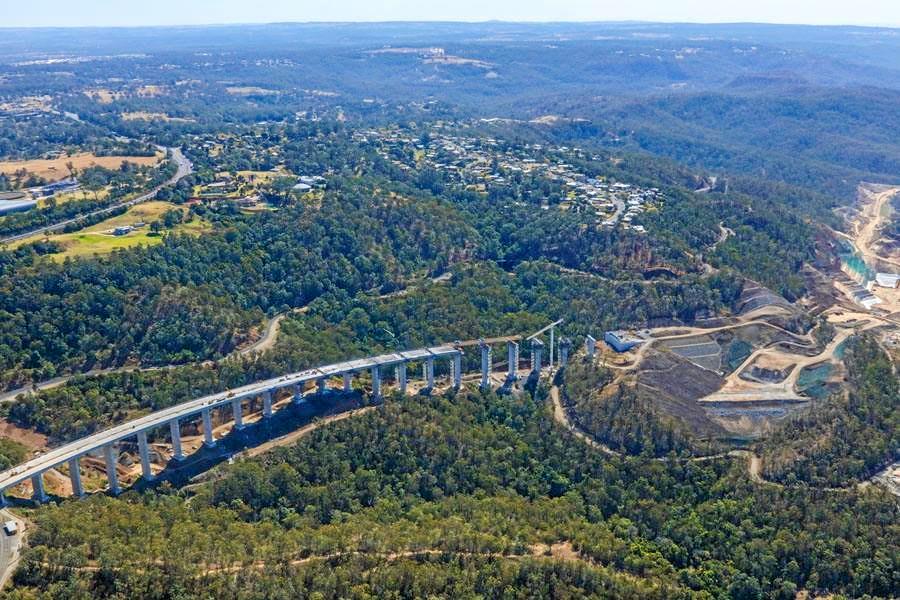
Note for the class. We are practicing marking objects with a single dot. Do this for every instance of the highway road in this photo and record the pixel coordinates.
(184, 169)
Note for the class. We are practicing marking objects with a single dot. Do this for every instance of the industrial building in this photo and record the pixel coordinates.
(11, 202)
(887, 280)
(622, 341)
(58, 187)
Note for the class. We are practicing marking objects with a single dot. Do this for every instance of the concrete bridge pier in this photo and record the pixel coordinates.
(428, 367)
(175, 430)
(200, 410)
(552, 344)
(144, 450)
(376, 383)
(565, 344)
(537, 347)
(348, 382)
(320, 386)
(238, 410)
(208, 439)
(37, 485)
(75, 477)
(298, 394)
(401, 378)
(267, 404)
(112, 459)
(590, 346)
(512, 356)
(485, 365)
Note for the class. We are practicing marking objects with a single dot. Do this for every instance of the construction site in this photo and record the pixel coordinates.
(735, 377)
(732, 377)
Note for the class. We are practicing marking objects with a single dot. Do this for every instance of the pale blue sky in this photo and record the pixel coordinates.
(16, 13)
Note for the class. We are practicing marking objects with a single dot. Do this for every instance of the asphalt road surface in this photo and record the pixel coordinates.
(9, 548)
(184, 169)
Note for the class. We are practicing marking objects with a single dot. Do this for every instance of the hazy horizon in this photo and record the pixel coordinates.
(447, 22)
(170, 13)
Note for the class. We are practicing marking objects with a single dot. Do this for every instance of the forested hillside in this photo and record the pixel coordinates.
(615, 414)
(188, 298)
(852, 435)
(475, 300)
(375, 234)
(687, 195)
(458, 495)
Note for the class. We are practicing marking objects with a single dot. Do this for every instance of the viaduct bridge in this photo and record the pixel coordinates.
(380, 367)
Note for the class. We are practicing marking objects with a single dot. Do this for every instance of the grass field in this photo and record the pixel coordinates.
(104, 96)
(151, 91)
(96, 240)
(79, 195)
(258, 176)
(55, 169)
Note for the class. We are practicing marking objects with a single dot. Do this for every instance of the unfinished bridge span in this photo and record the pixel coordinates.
(387, 366)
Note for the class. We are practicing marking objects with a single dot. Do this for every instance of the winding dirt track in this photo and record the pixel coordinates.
(867, 233)
(559, 551)
(268, 339)
(264, 343)
(753, 462)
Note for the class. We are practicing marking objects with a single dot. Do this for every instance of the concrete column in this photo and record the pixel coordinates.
(376, 382)
(208, 440)
(320, 386)
(401, 378)
(37, 484)
(75, 477)
(536, 347)
(552, 344)
(238, 409)
(457, 370)
(429, 373)
(564, 345)
(175, 430)
(298, 394)
(512, 356)
(267, 404)
(590, 346)
(485, 365)
(112, 459)
(348, 382)
(144, 450)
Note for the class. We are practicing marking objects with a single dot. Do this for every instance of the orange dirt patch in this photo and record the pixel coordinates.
(26, 437)
(559, 551)
(54, 169)
(57, 484)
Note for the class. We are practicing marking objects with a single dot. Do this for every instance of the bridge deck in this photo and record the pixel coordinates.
(59, 456)
(493, 340)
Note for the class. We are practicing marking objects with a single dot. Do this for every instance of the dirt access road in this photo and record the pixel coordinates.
(738, 390)
(867, 228)
(264, 343)
(753, 462)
